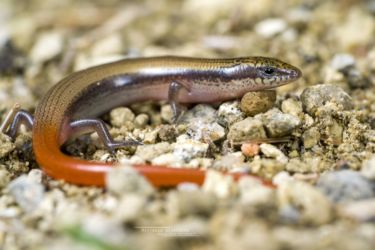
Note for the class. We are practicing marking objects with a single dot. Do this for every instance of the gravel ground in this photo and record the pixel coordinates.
(313, 139)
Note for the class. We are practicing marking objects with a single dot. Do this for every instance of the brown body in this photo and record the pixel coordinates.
(90, 93)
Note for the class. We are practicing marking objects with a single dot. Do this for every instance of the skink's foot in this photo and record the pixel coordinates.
(98, 126)
(14, 119)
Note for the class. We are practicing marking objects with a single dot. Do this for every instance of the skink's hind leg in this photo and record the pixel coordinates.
(98, 126)
(14, 119)
(173, 94)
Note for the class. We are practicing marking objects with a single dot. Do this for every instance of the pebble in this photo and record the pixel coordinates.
(247, 129)
(229, 161)
(187, 149)
(279, 124)
(229, 113)
(266, 168)
(203, 112)
(4, 177)
(120, 116)
(149, 152)
(125, 179)
(130, 207)
(257, 195)
(218, 184)
(345, 186)
(310, 137)
(368, 169)
(166, 113)
(188, 203)
(201, 130)
(363, 211)
(168, 159)
(6, 145)
(27, 192)
(256, 102)
(292, 107)
(281, 177)
(47, 46)
(270, 27)
(341, 62)
(141, 120)
(310, 204)
(295, 165)
(250, 149)
(110, 45)
(316, 96)
(167, 133)
(272, 151)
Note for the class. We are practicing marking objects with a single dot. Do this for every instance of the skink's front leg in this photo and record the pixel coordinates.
(173, 94)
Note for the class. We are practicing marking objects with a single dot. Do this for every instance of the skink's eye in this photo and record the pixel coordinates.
(269, 71)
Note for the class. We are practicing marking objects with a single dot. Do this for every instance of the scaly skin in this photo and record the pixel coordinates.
(93, 91)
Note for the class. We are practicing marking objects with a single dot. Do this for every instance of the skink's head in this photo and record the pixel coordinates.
(269, 72)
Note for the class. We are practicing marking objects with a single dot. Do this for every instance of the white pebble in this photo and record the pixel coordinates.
(47, 46)
(270, 27)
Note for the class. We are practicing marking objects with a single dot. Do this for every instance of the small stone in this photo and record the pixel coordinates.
(148, 152)
(110, 45)
(298, 166)
(4, 177)
(258, 195)
(311, 137)
(279, 124)
(356, 79)
(345, 186)
(166, 113)
(219, 184)
(6, 145)
(167, 133)
(130, 207)
(253, 103)
(187, 149)
(292, 106)
(187, 203)
(229, 113)
(313, 207)
(316, 96)
(122, 180)
(201, 162)
(141, 120)
(334, 132)
(27, 192)
(273, 152)
(47, 46)
(150, 137)
(202, 112)
(202, 130)
(281, 178)
(270, 27)
(229, 161)
(363, 211)
(250, 149)
(120, 116)
(168, 159)
(368, 169)
(247, 129)
(341, 62)
(266, 168)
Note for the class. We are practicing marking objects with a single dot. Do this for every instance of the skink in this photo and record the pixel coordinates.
(72, 105)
